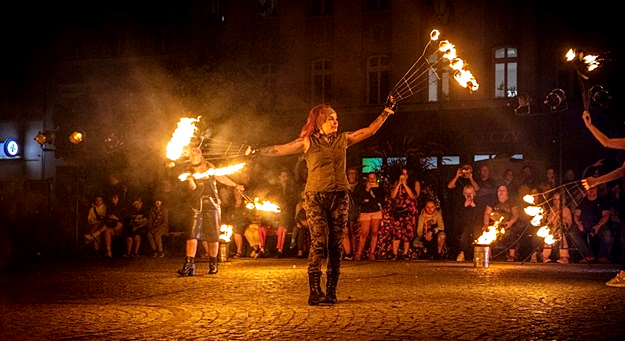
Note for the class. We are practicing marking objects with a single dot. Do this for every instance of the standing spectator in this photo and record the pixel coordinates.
(591, 217)
(508, 208)
(351, 231)
(403, 215)
(487, 187)
(431, 230)
(528, 178)
(158, 225)
(301, 226)
(237, 217)
(116, 186)
(456, 200)
(369, 200)
(471, 218)
(560, 220)
(135, 228)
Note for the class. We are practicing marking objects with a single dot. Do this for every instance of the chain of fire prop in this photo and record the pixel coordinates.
(584, 64)
(417, 78)
(179, 145)
(538, 207)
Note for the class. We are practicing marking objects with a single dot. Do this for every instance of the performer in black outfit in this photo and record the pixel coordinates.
(206, 213)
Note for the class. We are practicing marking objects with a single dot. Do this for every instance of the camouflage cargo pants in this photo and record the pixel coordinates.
(327, 214)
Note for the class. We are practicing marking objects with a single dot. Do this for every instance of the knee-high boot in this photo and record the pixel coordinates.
(188, 269)
(333, 280)
(316, 295)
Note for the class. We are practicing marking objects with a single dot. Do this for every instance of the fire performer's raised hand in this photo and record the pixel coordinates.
(586, 118)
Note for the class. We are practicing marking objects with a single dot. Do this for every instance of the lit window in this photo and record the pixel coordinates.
(321, 81)
(450, 160)
(438, 83)
(506, 63)
(430, 162)
(378, 79)
(482, 157)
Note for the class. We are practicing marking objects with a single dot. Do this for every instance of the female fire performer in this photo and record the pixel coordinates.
(616, 143)
(207, 213)
(326, 190)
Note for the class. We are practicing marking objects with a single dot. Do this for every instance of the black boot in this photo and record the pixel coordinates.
(333, 280)
(212, 265)
(316, 295)
(188, 269)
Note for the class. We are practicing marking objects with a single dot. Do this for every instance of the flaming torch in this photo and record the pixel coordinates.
(481, 249)
(416, 79)
(583, 64)
(212, 171)
(181, 137)
(536, 213)
(266, 206)
(224, 241)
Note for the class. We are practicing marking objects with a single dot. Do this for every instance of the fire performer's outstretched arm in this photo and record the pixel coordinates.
(608, 143)
(363, 133)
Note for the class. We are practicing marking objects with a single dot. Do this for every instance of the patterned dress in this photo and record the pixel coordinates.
(399, 222)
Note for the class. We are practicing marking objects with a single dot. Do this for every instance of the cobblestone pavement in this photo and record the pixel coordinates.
(143, 299)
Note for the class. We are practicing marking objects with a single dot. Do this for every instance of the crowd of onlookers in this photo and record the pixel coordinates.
(393, 215)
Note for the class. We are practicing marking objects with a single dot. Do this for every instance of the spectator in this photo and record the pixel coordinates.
(487, 188)
(351, 230)
(528, 177)
(285, 195)
(550, 181)
(301, 228)
(431, 230)
(507, 208)
(471, 218)
(251, 233)
(560, 220)
(369, 200)
(96, 221)
(237, 217)
(456, 200)
(137, 223)
(403, 214)
(115, 186)
(591, 217)
(109, 225)
(158, 225)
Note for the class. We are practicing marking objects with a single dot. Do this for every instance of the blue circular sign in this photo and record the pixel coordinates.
(11, 148)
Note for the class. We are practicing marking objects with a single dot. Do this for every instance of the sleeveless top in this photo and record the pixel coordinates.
(326, 163)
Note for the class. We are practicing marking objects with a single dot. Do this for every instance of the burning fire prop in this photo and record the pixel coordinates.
(212, 171)
(256, 204)
(187, 132)
(584, 64)
(226, 232)
(417, 78)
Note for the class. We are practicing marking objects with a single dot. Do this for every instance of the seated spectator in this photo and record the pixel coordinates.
(158, 225)
(107, 225)
(251, 233)
(96, 221)
(431, 230)
(591, 218)
(137, 223)
(471, 224)
(275, 229)
(507, 208)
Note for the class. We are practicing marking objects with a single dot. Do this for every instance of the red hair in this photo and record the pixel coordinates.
(317, 115)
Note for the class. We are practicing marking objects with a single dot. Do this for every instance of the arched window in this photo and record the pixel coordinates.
(321, 81)
(506, 71)
(378, 79)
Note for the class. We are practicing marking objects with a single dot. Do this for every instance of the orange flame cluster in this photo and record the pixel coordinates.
(591, 62)
(226, 232)
(181, 137)
(491, 234)
(462, 75)
(266, 206)
(212, 171)
(537, 214)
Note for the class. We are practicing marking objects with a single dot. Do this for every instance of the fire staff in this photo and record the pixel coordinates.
(326, 190)
(206, 213)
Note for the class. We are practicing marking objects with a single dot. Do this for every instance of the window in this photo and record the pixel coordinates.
(371, 164)
(268, 78)
(450, 160)
(438, 81)
(321, 81)
(482, 157)
(378, 79)
(320, 7)
(376, 5)
(267, 9)
(506, 61)
(430, 162)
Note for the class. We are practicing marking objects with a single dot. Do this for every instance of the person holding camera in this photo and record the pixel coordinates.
(403, 213)
(369, 199)
(326, 190)
(462, 178)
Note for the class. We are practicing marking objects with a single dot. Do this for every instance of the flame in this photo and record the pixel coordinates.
(591, 61)
(463, 76)
(435, 34)
(213, 171)
(528, 199)
(181, 137)
(226, 232)
(545, 233)
(491, 234)
(266, 206)
(536, 220)
(570, 55)
(533, 210)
